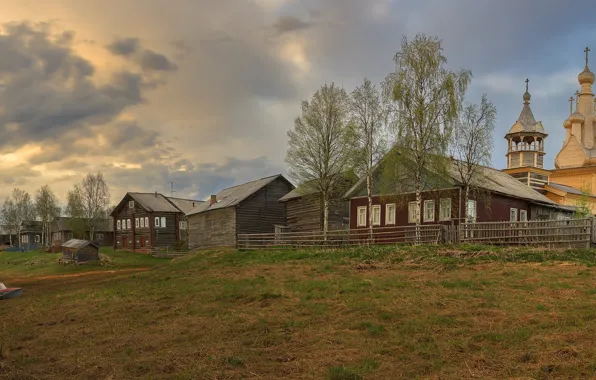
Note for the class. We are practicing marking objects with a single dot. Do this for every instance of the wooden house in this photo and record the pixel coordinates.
(304, 212)
(502, 198)
(62, 230)
(252, 207)
(30, 235)
(8, 235)
(143, 221)
(80, 251)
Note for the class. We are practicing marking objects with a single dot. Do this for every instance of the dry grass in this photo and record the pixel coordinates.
(312, 315)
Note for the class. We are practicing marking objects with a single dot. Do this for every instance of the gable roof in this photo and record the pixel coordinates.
(296, 193)
(565, 188)
(493, 180)
(185, 205)
(78, 243)
(234, 195)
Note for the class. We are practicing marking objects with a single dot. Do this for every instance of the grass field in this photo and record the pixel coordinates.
(391, 313)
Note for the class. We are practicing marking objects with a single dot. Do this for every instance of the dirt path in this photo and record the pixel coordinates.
(81, 274)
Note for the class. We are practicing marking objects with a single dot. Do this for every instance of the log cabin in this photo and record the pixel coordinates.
(80, 251)
(144, 221)
(30, 235)
(252, 207)
(62, 230)
(501, 198)
(304, 211)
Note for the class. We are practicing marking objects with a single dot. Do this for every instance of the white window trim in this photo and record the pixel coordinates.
(432, 217)
(358, 223)
(118, 225)
(473, 218)
(525, 214)
(146, 222)
(446, 201)
(156, 221)
(131, 204)
(163, 222)
(412, 215)
(516, 214)
(142, 222)
(137, 223)
(128, 224)
(376, 208)
(389, 213)
(183, 225)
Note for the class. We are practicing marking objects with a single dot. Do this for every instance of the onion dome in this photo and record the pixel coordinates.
(577, 118)
(586, 76)
(567, 123)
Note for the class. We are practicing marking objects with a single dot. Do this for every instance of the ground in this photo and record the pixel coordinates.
(368, 313)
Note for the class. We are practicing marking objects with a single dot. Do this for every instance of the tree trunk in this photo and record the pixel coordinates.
(370, 215)
(43, 234)
(19, 235)
(325, 217)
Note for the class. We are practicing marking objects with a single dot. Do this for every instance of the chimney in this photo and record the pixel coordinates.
(212, 200)
(193, 204)
(156, 194)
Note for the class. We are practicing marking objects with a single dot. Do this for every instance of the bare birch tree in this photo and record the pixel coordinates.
(46, 205)
(17, 209)
(319, 146)
(368, 116)
(9, 217)
(427, 98)
(88, 202)
(472, 145)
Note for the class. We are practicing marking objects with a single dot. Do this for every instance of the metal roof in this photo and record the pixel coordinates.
(185, 205)
(565, 188)
(78, 243)
(296, 193)
(154, 202)
(232, 196)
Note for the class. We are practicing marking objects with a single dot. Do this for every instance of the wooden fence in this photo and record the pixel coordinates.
(426, 234)
(574, 233)
(168, 252)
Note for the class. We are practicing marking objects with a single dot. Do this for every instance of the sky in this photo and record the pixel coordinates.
(202, 93)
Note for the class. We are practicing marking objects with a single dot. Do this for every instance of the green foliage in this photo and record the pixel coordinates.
(582, 207)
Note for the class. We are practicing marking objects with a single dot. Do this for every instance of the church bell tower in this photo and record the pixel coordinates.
(525, 148)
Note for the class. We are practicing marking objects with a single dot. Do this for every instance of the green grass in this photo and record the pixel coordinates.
(369, 313)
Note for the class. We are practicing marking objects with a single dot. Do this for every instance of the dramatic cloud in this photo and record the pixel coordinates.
(202, 93)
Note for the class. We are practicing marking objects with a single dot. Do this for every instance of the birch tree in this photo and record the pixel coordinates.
(46, 205)
(88, 203)
(368, 116)
(17, 209)
(9, 217)
(319, 146)
(427, 97)
(472, 145)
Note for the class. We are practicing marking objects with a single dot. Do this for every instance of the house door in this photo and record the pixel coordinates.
(124, 241)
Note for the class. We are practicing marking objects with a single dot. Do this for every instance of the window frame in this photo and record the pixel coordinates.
(163, 223)
(475, 216)
(389, 213)
(183, 225)
(137, 223)
(412, 215)
(442, 202)
(141, 222)
(118, 225)
(525, 215)
(37, 238)
(99, 237)
(434, 211)
(128, 224)
(513, 211)
(156, 222)
(131, 204)
(376, 208)
(358, 213)
(147, 222)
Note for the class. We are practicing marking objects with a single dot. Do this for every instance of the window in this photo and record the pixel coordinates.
(142, 221)
(412, 211)
(137, 224)
(118, 225)
(362, 216)
(523, 215)
(376, 215)
(445, 209)
(37, 238)
(156, 221)
(390, 214)
(146, 221)
(429, 211)
(128, 224)
(70, 236)
(131, 204)
(99, 237)
(471, 211)
(182, 225)
(162, 222)
(513, 214)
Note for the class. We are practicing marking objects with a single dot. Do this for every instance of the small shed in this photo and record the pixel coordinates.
(80, 251)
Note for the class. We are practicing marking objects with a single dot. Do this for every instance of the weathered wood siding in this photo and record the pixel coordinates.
(81, 255)
(211, 229)
(306, 214)
(260, 212)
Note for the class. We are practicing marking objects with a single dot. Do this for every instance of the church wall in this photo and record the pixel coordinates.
(581, 181)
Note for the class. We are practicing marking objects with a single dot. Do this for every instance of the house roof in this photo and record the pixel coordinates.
(565, 188)
(232, 196)
(491, 179)
(155, 202)
(296, 193)
(78, 243)
(185, 205)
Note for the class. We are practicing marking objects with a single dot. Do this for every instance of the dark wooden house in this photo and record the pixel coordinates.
(8, 235)
(30, 235)
(143, 221)
(252, 207)
(304, 211)
(80, 251)
(500, 198)
(62, 230)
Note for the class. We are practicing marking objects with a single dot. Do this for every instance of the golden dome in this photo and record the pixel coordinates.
(567, 123)
(586, 76)
(577, 118)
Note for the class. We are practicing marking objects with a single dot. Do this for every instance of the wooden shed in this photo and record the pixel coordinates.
(80, 251)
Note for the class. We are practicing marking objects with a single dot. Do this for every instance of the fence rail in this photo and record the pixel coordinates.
(168, 252)
(575, 233)
(427, 234)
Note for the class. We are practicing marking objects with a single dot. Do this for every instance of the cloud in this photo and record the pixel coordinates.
(146, 58)
(285, 24)
(124, 46)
